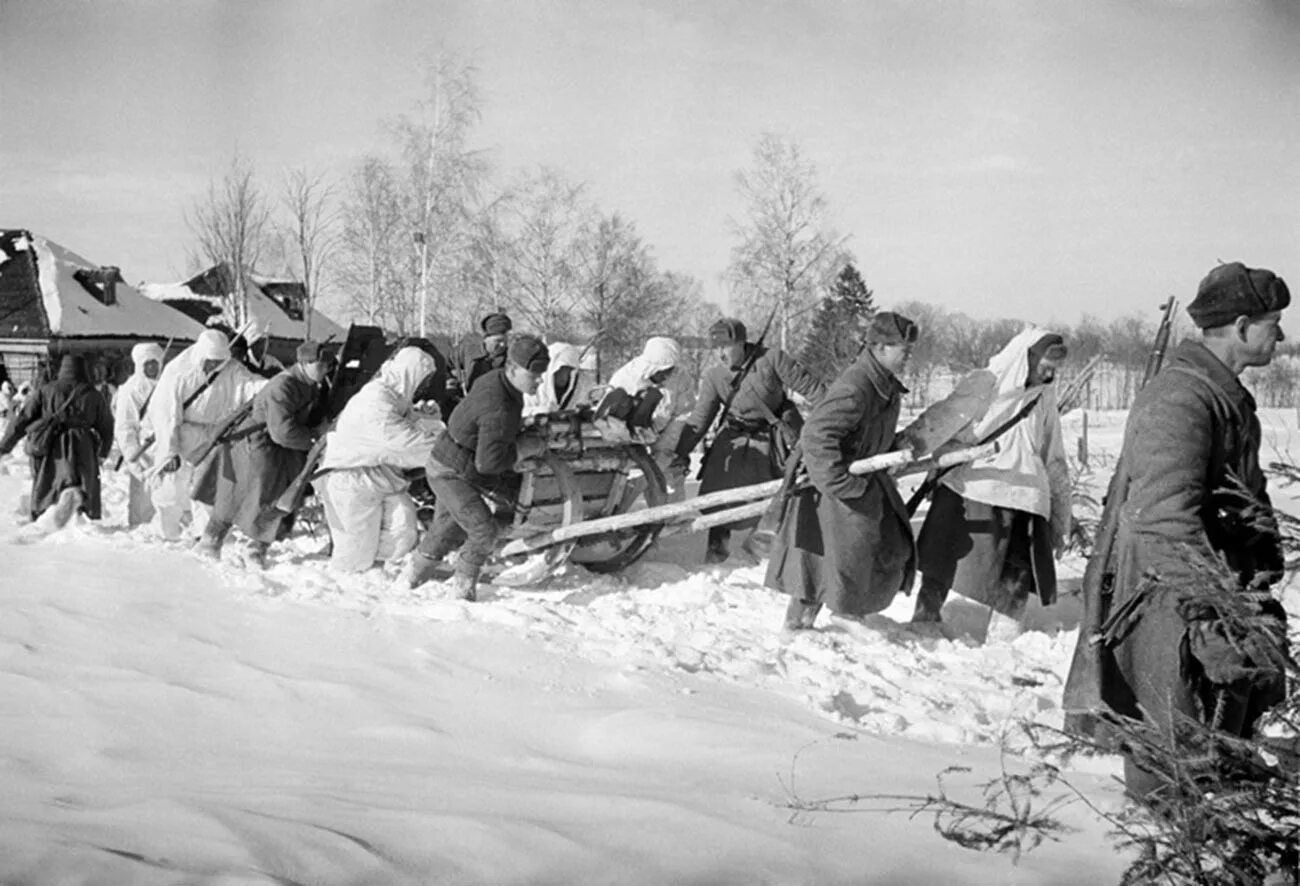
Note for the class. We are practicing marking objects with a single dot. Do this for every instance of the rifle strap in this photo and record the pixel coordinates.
(1010, 423)
(737, 380)
(928, 486)
(72, 395)
(198, 392)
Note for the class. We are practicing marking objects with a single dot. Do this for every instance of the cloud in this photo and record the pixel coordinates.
(984, 164)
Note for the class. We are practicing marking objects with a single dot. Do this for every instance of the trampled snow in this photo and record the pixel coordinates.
(163, 720)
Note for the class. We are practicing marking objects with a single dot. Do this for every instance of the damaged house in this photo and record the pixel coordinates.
(54, 302)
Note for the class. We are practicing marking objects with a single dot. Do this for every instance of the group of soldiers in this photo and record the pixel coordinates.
(834, 539)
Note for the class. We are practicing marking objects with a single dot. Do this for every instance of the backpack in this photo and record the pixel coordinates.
(44, 432)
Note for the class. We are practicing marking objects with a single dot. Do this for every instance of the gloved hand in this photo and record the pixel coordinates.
(529, 446)
(171, 465)
(680, 464)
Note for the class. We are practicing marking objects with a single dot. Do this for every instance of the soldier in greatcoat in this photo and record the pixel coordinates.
(262, 456)
(1188, 500)
(996, 524)
(67, 468)
(476, 357)
(844, 541)
(761, 425)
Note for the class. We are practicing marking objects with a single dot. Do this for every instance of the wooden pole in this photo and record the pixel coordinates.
(1083, 441)
(679, 511)
(1073, 394)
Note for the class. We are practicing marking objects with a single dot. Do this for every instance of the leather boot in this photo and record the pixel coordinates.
(719, 545)
(464, 587)
(801, 615)
(256, 556)
(209, 544)
(929, 603)
(423, 568)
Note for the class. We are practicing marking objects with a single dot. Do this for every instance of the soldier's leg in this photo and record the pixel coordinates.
(801, 614)
(443, 536)
(256, 556)
(214, 536)
(929, 600)
(1010, 601)
(139, 509)
(354, 512)
(719, 544)
(480, 526)
(399, 529)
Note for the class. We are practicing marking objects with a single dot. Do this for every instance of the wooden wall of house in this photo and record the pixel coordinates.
(109, 360)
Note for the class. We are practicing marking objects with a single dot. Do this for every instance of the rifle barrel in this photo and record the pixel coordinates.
(1157, 356)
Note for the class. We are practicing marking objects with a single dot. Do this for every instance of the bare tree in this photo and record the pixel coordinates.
(620, 293)
(443, 182)
(311, 231)
(231, 227)
(787, 252)
(928, 355)
(369, 246)
(539, 230)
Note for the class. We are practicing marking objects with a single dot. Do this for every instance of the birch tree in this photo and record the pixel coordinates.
(371, 245)
(311, 232)
(443, 180)
(620, 292)
(540, 228)
(788, 253)
(231, 227)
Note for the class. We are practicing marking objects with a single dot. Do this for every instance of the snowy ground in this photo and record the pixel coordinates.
(167, 721)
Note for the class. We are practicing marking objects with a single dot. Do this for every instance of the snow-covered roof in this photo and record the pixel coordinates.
(71, 311)
(269, 314)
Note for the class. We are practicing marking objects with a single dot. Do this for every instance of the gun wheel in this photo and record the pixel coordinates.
(638, 486)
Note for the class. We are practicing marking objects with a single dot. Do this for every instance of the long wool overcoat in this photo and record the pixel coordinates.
(845, 541)
(966, 540)
(73, 461)
(265, 454)
(743, 452)
(1188, 487)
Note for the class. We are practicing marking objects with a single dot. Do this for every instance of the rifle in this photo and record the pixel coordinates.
(1157, 356)
(223, 429)
(189, 401)
(291, 499)
(736, 380)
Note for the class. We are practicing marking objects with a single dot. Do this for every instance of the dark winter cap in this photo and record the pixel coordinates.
(1234, 290)
(529, 352)
(73, 366)
(308, 352)
(727, 331)
(495, 324)
(888, 328)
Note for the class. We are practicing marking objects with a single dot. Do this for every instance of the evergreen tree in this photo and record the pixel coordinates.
(839, 326)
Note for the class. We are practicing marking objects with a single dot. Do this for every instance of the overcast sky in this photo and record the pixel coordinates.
(1030, 158)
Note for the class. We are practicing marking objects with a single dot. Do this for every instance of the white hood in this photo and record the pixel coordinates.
(1029, 472)
(659, 353)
